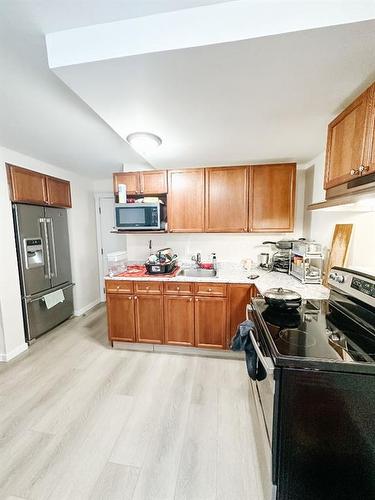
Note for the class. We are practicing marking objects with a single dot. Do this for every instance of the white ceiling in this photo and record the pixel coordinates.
(39, 115)
(265, 99)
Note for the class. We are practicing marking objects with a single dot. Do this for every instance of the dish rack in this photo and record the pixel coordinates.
(306, 262)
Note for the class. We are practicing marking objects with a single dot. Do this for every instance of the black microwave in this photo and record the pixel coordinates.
(137, 216)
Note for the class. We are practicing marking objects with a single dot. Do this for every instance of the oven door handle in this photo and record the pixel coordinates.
(266, 362)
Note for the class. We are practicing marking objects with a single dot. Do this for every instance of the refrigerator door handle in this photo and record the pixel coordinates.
(43, 225)
(54, 273)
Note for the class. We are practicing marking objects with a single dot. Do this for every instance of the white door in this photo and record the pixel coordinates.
(107, 242)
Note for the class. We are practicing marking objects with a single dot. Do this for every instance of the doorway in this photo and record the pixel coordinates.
(107, 241)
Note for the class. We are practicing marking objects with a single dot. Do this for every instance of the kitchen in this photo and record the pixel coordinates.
(222, 193)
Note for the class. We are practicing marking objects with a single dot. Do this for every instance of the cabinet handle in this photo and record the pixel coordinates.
(354, 171)
(190, 300)
(362, 168)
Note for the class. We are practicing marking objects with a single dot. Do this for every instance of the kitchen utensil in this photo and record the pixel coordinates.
(282, 244)
(282, 298)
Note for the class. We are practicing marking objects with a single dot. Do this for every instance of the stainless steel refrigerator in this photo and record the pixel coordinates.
(42, 241)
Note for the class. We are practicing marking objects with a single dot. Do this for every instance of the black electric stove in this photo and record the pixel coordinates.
(318, 396)
(320, 332)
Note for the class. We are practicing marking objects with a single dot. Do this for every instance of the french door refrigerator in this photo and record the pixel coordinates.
(42, 241)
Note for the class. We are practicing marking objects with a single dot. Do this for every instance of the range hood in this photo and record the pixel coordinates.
(357, 195)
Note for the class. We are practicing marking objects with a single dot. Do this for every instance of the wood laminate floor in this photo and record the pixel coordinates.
(80, 420)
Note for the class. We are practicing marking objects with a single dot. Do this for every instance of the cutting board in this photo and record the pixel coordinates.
(339, 247)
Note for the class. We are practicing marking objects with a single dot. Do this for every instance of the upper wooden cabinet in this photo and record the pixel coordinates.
(272, 198)
(27, 186)
(152, 182)
(58, 192)
(226, 199)
(186, 200)
(350, 148)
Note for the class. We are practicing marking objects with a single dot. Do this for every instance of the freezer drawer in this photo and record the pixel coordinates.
(39, 319)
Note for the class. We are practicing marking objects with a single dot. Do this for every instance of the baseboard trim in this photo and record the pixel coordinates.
(7, 356)
(187, 351)
(83, 310)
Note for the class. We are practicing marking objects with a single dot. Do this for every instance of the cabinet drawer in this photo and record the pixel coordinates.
(211, 289)
(148, 287)
(117, 286)
(179, 288)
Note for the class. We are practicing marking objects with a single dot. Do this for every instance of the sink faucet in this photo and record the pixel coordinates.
(197, 259)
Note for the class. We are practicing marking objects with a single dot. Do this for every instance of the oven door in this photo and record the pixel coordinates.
(265, 388)
(136, 216)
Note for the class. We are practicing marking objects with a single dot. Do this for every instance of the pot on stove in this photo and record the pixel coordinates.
(282, 298)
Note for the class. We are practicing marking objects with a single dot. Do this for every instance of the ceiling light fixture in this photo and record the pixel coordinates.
(143, 142)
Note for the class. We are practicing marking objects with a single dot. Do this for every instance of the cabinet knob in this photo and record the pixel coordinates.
(178, 288)
(118, 287)
(147, 288)
(354, 171)
(362, 168)
(196, 300)
(135, 297)
(130, 298)
(190, 300)
(210, 289)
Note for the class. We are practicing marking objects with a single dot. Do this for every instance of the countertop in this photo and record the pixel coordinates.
(235, 273)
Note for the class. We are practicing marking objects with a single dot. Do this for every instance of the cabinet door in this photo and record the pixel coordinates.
(210, 322)
(179, 320)
(346, 142)
(239, 298)
(153, 182)
(186, 201)
(272, 198)
(149, 318)
(58, 192)
(370, 136)
(131, 179)
(27, 186)
(121, 319)
(226, 199)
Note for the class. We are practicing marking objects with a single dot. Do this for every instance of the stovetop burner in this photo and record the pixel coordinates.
(295, 337)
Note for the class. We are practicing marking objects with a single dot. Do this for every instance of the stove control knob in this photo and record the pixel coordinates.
(340, 278)
(333, 276)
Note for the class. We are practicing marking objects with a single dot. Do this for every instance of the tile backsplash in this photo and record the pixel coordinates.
(228, 247)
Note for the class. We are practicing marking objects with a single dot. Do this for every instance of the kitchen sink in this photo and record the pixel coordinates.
(198, 273)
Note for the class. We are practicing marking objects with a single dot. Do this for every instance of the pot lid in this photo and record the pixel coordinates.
(282, 294)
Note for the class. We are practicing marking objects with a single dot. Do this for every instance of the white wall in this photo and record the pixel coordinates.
(320, 225)
(228, 247)
(83, 248)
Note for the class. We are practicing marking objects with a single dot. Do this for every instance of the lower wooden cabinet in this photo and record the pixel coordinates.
(149, 318)
(179, 320)
(208, 318)
(210, 322)
(121, 317)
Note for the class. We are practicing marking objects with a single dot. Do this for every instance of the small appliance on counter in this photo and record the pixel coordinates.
(264, 260)
(306, 261)
(162, 262)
